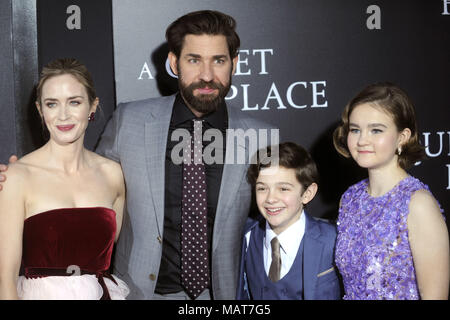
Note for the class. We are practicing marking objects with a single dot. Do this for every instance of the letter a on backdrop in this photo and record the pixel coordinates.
(74, 20)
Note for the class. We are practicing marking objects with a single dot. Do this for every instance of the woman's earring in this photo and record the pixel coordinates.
(91, 117)
(399, 150)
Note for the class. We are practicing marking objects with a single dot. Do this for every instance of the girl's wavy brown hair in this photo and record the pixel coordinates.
(395, 102)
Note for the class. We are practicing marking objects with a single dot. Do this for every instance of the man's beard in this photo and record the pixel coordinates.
(204, 103)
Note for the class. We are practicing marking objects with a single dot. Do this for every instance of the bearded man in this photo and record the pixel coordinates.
(153, 255)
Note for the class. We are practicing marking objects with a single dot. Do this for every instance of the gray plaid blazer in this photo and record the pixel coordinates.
(136, 137)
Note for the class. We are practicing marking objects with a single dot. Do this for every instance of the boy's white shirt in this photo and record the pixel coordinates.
(289, 239)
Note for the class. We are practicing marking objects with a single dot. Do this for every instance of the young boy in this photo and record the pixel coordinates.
(286, 254)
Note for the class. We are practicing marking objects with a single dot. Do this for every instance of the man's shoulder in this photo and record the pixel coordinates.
(146, 104)
(246, 120)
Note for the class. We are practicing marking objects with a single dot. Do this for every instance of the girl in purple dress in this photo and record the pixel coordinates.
(392, 238)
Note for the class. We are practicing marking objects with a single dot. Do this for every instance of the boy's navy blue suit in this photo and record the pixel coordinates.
(311, 277)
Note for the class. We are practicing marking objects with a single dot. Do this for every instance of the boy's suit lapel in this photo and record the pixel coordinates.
(312, 254)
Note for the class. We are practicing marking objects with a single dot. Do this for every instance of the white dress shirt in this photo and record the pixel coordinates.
(289, 239)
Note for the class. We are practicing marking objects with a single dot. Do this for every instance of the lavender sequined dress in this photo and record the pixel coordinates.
(372, 248)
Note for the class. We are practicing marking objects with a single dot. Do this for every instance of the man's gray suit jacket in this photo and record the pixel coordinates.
(136, 136)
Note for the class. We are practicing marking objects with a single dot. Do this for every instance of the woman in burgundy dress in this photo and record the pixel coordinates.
(62, 205)
(392, 239)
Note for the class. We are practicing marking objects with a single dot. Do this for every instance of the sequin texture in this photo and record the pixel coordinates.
(372, 248)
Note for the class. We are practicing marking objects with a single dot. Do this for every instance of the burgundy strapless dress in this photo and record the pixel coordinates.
(67, 254)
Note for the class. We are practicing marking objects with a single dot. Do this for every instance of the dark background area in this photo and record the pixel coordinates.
(321, 40)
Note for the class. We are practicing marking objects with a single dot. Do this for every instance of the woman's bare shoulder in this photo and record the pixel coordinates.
(17, 170)
(423, 199)
(31, 160)
(109, 167)
(423, 207)
(17, 175)
(103, 161)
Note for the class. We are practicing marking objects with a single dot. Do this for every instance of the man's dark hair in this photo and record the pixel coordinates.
(203, 22)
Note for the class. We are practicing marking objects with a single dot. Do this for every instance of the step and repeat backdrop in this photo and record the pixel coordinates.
(81, 30)
(300, 62)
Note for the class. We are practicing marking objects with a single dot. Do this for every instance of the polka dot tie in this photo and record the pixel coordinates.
(194, 242)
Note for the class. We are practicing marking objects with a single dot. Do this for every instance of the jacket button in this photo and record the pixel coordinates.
(159, 239)
(152, 277)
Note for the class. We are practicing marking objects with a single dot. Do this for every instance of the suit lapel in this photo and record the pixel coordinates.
(156, 132)
(313, 248)
(231, 178)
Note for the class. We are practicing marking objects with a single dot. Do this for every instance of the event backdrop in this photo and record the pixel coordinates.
(18, 75)
(300, 63)
(82, 30)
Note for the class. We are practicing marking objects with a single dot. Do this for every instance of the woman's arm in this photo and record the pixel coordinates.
(12, 215)
(428, 237)
(119, 203)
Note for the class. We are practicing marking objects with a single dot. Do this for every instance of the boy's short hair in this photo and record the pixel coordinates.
(290, 156)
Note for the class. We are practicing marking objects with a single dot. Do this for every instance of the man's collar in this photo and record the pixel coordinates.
(181, 113)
